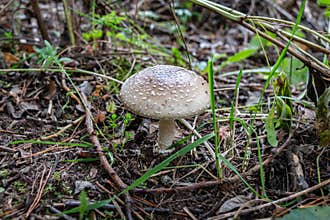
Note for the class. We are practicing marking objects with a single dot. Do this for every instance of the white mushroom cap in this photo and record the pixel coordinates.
(165, 92)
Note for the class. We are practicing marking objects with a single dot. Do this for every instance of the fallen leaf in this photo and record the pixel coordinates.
(233, 203)
(52, 88)
(97, 90)
(82, 185)
(29, 48)
(10, 59)
(100, 116)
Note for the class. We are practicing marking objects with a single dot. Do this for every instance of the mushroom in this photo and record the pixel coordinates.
(166, 93)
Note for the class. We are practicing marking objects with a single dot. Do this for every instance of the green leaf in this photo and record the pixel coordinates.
(323, 118)
(65, 60)
(232, 108)
(316, 212)
(96, 34)
(296, 69)
(178, 56)
(327, 12)
(285, 117)
(83, 204)
(202, 66)
(87, 36)
(258, 42)
(270, 128)
(241, 55)
(325, 3)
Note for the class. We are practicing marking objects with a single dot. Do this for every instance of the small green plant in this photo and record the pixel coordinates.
(20, 186)
(47, 56)
(50, 188)
(94, 35)
(4, 173)
(57, 176)
(115, 121)
(280, 114)
(295, 70)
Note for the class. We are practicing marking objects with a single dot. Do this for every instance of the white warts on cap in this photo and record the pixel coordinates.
(165, 92)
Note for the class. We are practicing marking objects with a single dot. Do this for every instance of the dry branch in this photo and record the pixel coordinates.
(112, 173)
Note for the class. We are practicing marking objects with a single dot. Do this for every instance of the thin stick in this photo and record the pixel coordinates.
(4, 8)
(104, 162)
(171, 4)
(42, 184)
(189, 213)
(218, 183)
(206, 144)
(290, 197)
(69, 23)
(244, 21)
(40, 20)
(56, 134)
(70, 70)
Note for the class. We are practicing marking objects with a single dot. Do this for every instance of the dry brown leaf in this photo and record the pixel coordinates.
(10, 59)
(100, 116)
(51, 90)
(97, 90)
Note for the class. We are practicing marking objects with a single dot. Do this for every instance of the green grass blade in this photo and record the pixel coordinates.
(148, 174)
(233, 168)
(284, 51)
(232, 109)
(83, 204)
(86, 145)
(214, 118)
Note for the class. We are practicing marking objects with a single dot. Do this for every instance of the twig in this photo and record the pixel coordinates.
(42, 185)
(70, 70)
(208, 147)
(301, 57)
(69, 22)
(41, 23)
(206, 184)
(293, 196)
(116, 205)
(4, 7)
(112, 173)
(63, 129)
(61, 214)
(189, 213)
(67, 89)
(171, 4)
(245, 20)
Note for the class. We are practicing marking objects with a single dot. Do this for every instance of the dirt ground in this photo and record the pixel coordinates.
(57, 156)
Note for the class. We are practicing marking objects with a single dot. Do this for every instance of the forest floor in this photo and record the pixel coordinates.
(55, 155)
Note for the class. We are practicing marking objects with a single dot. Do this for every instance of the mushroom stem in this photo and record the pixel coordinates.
(166, 133)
